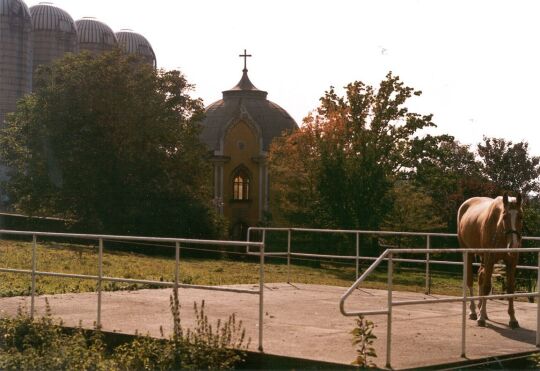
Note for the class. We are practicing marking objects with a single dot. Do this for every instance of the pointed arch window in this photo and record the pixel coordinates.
(241, 185)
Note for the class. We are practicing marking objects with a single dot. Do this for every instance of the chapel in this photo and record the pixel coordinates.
(238, 130)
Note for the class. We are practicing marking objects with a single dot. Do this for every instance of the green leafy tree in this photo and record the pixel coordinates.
(510, 165)
(449, 173)
(413, 210)
(338, 169)
(111, 143)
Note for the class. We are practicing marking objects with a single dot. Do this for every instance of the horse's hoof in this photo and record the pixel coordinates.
(481, 322)
(473, 316)
(513, 324)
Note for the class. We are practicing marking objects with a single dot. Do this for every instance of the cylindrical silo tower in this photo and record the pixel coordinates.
(15, 64)
(15, 54)
(54, 34)
(95, 36)
(134, 43)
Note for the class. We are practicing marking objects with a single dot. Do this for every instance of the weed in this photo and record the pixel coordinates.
(363, 339)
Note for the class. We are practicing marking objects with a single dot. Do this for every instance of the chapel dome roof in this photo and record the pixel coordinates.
(245, 100)
(46, 16)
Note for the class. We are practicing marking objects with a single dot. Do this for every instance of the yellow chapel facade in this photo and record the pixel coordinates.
(238, 130)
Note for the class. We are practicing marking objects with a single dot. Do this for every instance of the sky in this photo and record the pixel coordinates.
(476, 61)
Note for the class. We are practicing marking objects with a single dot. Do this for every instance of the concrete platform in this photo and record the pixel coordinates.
(304, 321)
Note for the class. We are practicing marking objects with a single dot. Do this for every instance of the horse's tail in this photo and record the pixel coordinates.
(470, 256)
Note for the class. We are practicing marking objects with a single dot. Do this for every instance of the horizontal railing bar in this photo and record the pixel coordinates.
(267, 253)
(129, 280)
(19, 271)
(181, 285)
(139, 281)
(472, 251)
(218, 288)
(372, 258)
(461, 299)
(350, 231)
(366, 313)
(381, 233)
(66, 275)
(347, 257)
(133, 238)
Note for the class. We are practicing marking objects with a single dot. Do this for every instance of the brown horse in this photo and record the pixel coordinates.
(486, 223)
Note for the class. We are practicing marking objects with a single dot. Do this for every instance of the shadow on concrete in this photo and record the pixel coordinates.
(519, 334)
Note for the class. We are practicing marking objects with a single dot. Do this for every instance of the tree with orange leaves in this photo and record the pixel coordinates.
(338, 169)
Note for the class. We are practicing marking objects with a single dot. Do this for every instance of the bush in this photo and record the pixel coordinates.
(204, 347)
(41, 344)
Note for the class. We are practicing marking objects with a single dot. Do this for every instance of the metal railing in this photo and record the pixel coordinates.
(358, 258)
(34, 273)
(388, 255)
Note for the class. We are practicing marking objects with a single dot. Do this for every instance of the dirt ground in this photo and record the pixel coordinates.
(304, 321)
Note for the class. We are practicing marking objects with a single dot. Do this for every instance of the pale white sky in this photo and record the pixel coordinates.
(475, 61)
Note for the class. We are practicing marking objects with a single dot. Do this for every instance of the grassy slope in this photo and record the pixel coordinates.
(83, 260)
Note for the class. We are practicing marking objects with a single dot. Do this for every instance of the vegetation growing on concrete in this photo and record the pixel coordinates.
(42, 344)
(363, 339)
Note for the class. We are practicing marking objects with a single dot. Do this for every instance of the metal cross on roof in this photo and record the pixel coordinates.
(245, 56)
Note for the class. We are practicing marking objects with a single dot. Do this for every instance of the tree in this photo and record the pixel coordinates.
(413, 210)
(449, 173)
(509, 165)
(338, 169)
(111, 143)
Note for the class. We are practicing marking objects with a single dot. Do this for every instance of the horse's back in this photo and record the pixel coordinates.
(471, 216)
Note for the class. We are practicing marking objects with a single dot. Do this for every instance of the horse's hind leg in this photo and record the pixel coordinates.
(484, 288)
(511, 262)
(481, 282)
(472, 307)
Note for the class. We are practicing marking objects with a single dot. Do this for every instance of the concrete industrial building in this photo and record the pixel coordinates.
(15, 61)
(54, 34)
(38, 36)
(95, 36)
(133, 43)
(15, 54)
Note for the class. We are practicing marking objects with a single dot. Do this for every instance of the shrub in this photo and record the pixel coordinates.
(41, 344)
(204, 347)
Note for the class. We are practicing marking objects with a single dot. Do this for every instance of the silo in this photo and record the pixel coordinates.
(95, 36)
(133, 43)
(15, 63)
(54, 34)
(15, 54)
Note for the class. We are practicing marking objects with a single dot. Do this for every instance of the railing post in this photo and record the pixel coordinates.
(464, 306)
(34, 263)
(428, 278)
(538, 303)
(100, 276)
(357, 254)
(389, 320)
(261, 295)
(177, 266)
(289, 256)
(248, 239)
